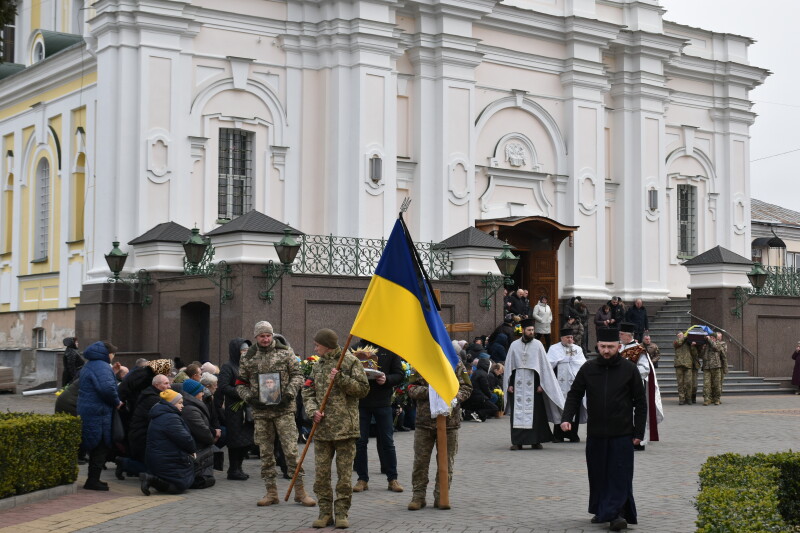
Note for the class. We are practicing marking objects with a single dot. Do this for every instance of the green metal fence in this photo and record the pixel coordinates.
(353, 256)
(782, 281)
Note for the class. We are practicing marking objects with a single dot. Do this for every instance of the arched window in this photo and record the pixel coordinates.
(78, 199)
(8, 215)
(42, 211)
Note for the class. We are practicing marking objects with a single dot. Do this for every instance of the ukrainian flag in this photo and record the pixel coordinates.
(399, 313)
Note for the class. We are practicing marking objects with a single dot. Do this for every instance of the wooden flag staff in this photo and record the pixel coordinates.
(442, 460)
(314, 427)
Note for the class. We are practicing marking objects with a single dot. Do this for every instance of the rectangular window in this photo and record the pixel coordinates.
(39, 339)
(687, 221)
(7, 36)
(235, 194)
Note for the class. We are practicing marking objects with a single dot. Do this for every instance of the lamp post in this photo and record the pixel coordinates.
(286, 249)
(507, 263)
(758, 278)
(137, 282)
(198, 262)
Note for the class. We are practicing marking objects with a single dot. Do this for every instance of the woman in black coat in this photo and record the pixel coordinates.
(169, 447)
(239, 429)
(72, 360)
(198, 418)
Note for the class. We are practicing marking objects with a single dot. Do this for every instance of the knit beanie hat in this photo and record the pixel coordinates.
(263, 327)
(171, 396)
(192, 387)
(327, 338)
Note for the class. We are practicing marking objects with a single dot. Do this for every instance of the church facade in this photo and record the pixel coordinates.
(602, 141)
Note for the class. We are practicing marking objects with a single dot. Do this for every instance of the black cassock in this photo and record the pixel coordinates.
(540, 432)
(610, 465)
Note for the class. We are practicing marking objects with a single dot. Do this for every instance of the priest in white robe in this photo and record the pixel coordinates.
(532, 394)
(636, 353)
(567, 358)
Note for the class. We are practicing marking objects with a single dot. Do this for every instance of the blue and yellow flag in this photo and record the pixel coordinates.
(399, 313)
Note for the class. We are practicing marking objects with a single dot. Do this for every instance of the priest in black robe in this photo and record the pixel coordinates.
(532, 395)
(617, 412)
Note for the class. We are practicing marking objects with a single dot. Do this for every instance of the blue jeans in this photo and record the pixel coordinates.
(385, 426)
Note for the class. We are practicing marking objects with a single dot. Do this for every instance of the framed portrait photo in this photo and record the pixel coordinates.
(269, 388)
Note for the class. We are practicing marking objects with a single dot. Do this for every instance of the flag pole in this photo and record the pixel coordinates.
(443, 462)
(314, 427)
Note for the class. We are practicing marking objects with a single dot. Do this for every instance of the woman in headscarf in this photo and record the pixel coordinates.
(239, 429)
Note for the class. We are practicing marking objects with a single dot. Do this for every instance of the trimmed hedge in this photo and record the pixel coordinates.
(37, 451)
(749, 493)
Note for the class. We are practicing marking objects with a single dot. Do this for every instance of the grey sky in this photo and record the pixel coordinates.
(773, 25)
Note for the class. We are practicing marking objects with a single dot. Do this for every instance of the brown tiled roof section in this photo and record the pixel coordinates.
(767, 212)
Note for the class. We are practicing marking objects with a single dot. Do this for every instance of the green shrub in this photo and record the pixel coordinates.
(37, 451)
(749, 493)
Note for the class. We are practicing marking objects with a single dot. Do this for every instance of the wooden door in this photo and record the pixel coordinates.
(543, 276)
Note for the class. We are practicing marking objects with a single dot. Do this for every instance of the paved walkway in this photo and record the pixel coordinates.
(496, 490)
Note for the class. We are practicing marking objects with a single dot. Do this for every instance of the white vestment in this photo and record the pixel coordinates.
(566, 361)
(527, 358)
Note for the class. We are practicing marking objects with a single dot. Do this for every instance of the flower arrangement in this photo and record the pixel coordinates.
(307, 365)
(400, 396)
(499, 393)
(518, 329)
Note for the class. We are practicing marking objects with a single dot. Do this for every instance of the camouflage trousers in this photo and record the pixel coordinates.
(712, 384)
(264, 435)
(345, 452)
(694, 384)
(424, 442)
(684, 377)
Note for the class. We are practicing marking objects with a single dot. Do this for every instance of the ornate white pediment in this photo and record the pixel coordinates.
(529, 185)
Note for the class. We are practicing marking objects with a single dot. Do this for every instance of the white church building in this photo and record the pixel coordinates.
(602, 141)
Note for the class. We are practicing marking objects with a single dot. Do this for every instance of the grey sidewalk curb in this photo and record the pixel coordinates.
(38, 496)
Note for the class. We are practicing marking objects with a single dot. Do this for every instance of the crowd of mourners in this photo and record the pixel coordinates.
(168, 425)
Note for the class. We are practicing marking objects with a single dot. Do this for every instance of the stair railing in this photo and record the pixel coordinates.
(753, 359)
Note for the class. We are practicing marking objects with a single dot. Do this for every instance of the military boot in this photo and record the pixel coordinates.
(416, 503)
(325, 519)
(270, 498)
(360, 486)
(341, 522)
(300, 496)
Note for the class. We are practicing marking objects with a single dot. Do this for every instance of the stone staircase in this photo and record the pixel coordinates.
(674, 317)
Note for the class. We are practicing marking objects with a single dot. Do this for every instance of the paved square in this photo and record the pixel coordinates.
(495, 490)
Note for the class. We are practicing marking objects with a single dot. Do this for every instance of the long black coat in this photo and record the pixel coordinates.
(72, 361)
(169, 445)
(140, 420)
(240, 433)
(198, 419)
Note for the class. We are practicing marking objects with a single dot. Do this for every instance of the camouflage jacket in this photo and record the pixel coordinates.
(715, 355)
(683, 354)
(653, 351)
(418, 390)
(275, 358)
(341, 419)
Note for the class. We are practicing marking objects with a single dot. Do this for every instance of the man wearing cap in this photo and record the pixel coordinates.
(567, 358)
(616, 406)
(337, 427)
(267, 356)
(532, 393)
(637, 354)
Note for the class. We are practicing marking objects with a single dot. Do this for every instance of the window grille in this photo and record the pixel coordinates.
(42, 234)
(7, 33)
(687, 220)
(235, 196)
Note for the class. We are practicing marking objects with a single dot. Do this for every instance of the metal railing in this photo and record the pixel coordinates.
(781, 281)
(752, 367)
(354, 256)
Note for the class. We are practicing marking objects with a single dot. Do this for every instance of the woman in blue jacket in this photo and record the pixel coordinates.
(97, 399)
(169, 446)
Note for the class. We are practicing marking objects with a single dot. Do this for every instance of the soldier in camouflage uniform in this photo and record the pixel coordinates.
(270, 356)
(425, 436)
(715, 363)
(337, 428)
(684, 361)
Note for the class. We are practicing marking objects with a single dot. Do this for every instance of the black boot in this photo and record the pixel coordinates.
(119, 472)
(144, 483)
(219, 460)
(235, 457)
(93, 480)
